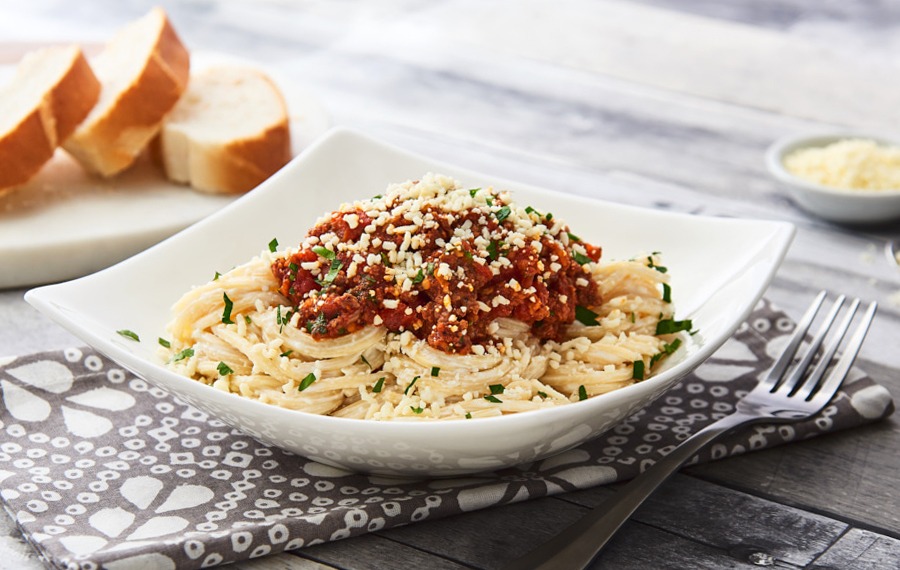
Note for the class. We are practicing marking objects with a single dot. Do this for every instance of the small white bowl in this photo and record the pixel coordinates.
(834, 204)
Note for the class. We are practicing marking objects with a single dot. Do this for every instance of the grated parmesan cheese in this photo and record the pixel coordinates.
(851, 164)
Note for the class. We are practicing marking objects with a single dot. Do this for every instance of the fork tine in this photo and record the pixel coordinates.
(812, 380)
(831, 384)
(789, 385)
(787, 355)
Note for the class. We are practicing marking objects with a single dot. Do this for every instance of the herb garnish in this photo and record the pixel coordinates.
(496, 388)
(226, 314)
(493, 249)
(638, 370)
(494, 399)
(667, 293)
(186, 353)
(667, 349)
(224, 369)
(287, 352)
(129, 334)
(306, 382)
(502, 213)
(406, 392)
(318, 326)
(542, 394)
(366, 362)
(164, 343)
(473, 191)
(416, 410)
(586, 316)
(273, 245)
(580, 258)
(669, 326)
(435, 370)
(582, 393)
(420, 276)
(378, 385)
(573, 237)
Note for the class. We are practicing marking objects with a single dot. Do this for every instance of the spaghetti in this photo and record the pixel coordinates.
(431, 301)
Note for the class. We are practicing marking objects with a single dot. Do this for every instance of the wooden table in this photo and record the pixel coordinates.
(658, 104)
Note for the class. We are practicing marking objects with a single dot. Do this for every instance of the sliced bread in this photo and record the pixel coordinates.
(52, 91)
(143, 72)
(228, 133)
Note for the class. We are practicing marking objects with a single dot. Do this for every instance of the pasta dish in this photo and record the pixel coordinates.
(432, 301)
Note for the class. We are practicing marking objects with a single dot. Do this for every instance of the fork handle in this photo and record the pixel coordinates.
(577, 546)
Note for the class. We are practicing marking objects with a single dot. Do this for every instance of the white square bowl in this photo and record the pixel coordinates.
(719, 269)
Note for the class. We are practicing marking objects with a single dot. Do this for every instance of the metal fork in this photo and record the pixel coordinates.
(774, 399)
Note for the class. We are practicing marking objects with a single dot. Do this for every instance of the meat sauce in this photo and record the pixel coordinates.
(457, 291)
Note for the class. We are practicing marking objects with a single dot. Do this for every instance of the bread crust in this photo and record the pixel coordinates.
(34, 139)
(112, 141)
(225, 166)
(242, 165)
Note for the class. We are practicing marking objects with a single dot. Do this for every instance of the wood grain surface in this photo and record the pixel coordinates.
(645, 102)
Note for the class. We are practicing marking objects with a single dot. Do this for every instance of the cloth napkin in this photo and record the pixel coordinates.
(101, 469)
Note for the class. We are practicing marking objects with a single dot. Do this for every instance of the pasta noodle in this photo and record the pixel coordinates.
(433, 301)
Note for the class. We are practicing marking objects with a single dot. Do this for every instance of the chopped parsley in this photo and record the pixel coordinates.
(216, 276)
(659, 268)
(573, 237)
(581, 258)
(164, 343)
(420, 276)
(530, 210)
(248, 320)
(318, 326)
(542, 394)
(468, 415)
(502, 213)
(496, 388)
(323, 252)
(273, 245)
(473, 191)
(582, 392)
(336, 265)
(435, 370)
(306, 382)
(669, 326)
(667, 349)
(186, 353)
(226, 314)
(411, 384)
(494, 399)
(366, 362)
(586, 316)
(287, 353)
(224, 369)
(667, 293)
(493, 249)
(378, 385)
(129, 334)
(416, 410)
(549, 216)
(638, 370)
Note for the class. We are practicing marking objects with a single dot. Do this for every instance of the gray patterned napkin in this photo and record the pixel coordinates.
(101, 469)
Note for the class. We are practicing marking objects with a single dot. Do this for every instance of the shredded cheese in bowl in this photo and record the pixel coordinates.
(849, 164)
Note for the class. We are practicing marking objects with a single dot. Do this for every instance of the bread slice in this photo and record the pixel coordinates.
(143, 71)
(228, 133)
(52, 91)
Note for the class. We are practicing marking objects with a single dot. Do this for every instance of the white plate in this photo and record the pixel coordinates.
(66, 223)
(719, 269)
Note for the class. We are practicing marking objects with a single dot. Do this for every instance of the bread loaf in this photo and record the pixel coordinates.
(143, 72)
(52, 91)
(228, 133)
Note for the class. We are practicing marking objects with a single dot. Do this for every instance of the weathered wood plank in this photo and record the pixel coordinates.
(845, 475)
(702, 521)
(861, 550)
(731, 521)
(373, 551)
